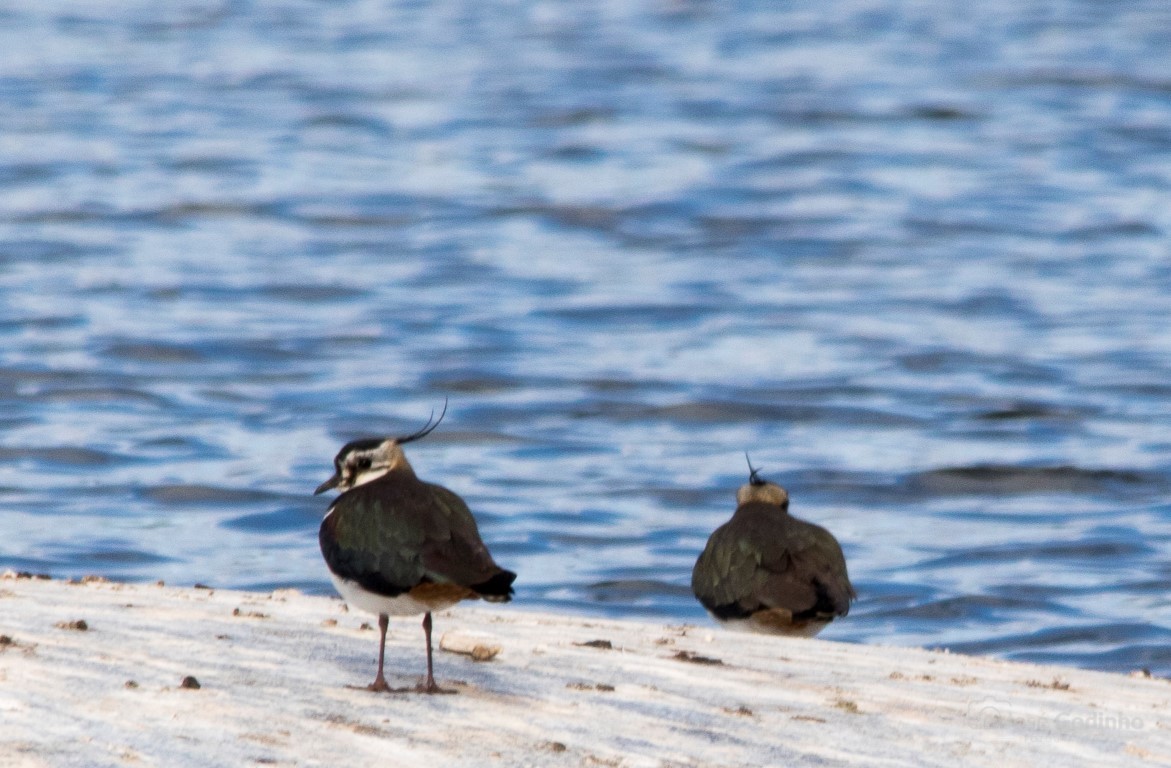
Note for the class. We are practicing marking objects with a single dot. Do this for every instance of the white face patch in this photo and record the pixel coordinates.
(364, 466)
(365, 476)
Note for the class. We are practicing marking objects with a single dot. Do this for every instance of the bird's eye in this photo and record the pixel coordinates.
(364, 463)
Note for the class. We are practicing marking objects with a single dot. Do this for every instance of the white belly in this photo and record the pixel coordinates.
(403, 605)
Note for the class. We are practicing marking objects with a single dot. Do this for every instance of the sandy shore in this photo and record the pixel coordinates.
(91, 675)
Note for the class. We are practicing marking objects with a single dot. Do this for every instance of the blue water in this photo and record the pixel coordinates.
(913, 257)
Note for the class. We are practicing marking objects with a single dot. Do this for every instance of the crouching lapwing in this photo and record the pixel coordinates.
(396, 545)
(766, 571)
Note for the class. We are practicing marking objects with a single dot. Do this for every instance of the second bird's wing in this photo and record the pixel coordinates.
(750, 565)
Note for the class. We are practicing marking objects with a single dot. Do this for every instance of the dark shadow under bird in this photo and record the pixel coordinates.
(767, 571)
(396, 545)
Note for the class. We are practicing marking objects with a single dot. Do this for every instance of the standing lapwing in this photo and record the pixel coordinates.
(396, 545)
(766, 571)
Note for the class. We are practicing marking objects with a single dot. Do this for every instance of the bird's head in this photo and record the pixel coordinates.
(369, 458)
(759, 490)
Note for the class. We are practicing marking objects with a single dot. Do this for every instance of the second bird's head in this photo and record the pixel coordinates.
(369, 458)
(759, 490)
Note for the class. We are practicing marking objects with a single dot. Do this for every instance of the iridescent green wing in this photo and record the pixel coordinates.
(728, 573)
(453, 551)
(371, 537)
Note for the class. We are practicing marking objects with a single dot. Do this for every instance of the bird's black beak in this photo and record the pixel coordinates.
(330, 483)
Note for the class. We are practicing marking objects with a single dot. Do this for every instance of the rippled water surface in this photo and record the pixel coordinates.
(914, 259)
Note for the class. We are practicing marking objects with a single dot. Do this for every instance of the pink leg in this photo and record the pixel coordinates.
(428, 685)
(379, 685)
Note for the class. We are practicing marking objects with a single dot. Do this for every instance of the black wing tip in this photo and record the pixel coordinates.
(728, 612)
(498, 588)
(832, 602)
(814, 614)
(825, 609)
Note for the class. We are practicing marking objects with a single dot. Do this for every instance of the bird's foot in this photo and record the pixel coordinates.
(429, 686)
(379, 686)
